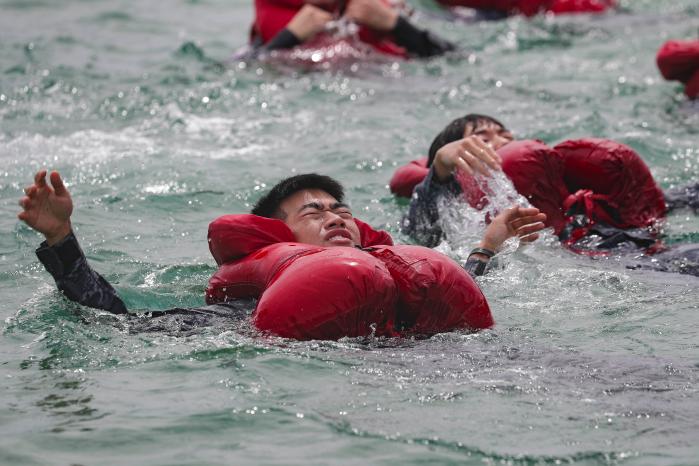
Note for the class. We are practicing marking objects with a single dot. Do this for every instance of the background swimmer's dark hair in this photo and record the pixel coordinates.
(455, 131)
(268, 205)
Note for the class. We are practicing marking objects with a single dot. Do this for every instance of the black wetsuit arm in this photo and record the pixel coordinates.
(475, 267)
(685, 196)
(66, 262)
(74, 277)
(422, 221)
(419, 42)
(284, 39)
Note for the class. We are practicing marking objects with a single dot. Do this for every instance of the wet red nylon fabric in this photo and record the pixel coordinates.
(408, 176)
(580, 6)
(435, 294)
(248, 276)
(310, 292)
(271, 16)
(234, 236)
(536, 170)
(627, 195)
(329, 293)
(679, 60)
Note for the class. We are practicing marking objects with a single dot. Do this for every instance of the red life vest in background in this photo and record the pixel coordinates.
(624, 191)
(271, 16)
(605, 180)
(311, 292)
(406, 177)
(533, 7)
(679, 61)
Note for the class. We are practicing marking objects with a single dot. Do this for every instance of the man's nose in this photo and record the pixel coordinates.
(333, 220)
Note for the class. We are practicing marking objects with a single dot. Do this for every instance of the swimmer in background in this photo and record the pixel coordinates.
(310, 205)
(469, 144)
(283, 24)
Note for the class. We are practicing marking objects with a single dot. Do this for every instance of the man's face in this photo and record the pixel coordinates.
(490, 133)
(315, 217)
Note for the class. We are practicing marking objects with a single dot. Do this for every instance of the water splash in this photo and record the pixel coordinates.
(463, 224)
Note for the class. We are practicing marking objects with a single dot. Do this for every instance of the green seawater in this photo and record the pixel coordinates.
(157, 132)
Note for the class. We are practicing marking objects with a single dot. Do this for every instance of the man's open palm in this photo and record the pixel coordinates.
(47, 209)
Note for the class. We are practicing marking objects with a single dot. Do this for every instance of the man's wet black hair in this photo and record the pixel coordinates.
(455, 131)
(268, 205)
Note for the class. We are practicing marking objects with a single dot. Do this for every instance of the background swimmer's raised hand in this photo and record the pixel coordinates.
(524, 222)
(47, 209)
(308, 22)
(373, 14)
(469, 154)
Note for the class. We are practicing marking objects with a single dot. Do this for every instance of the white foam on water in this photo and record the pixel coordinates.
(85, 146)
(464, 225)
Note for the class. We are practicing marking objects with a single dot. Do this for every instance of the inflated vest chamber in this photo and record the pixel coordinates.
(311, 292)
(679, 61)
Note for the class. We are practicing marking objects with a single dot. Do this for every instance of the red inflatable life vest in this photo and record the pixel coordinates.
(603, 179)
(406, 177)
(533, 7)
(679, 61)
(535, 170)
(271, 16)
(312, 292)
(624, 191)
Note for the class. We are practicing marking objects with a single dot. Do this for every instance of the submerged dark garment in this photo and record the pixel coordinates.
(74, 277)
(418, 42)
(601, 236)
(422, 221)
(687, 196)
(682, 258)
(184, 320)
(284, 39)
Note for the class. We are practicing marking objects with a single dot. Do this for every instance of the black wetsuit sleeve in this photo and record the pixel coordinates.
(284, 39)
(419, 42)
(68, 266)
(475, 267)
(422, 221)
(686, 196)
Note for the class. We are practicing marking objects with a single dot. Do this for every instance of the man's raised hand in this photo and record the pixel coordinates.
(374, 14)
(308, 22)
(525, 222)
(470, 154)
(47, 209)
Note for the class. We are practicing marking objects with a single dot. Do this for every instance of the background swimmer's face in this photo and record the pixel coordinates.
(490, 133)
(315, 217)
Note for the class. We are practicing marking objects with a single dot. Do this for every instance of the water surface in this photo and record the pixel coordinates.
(157, 132)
